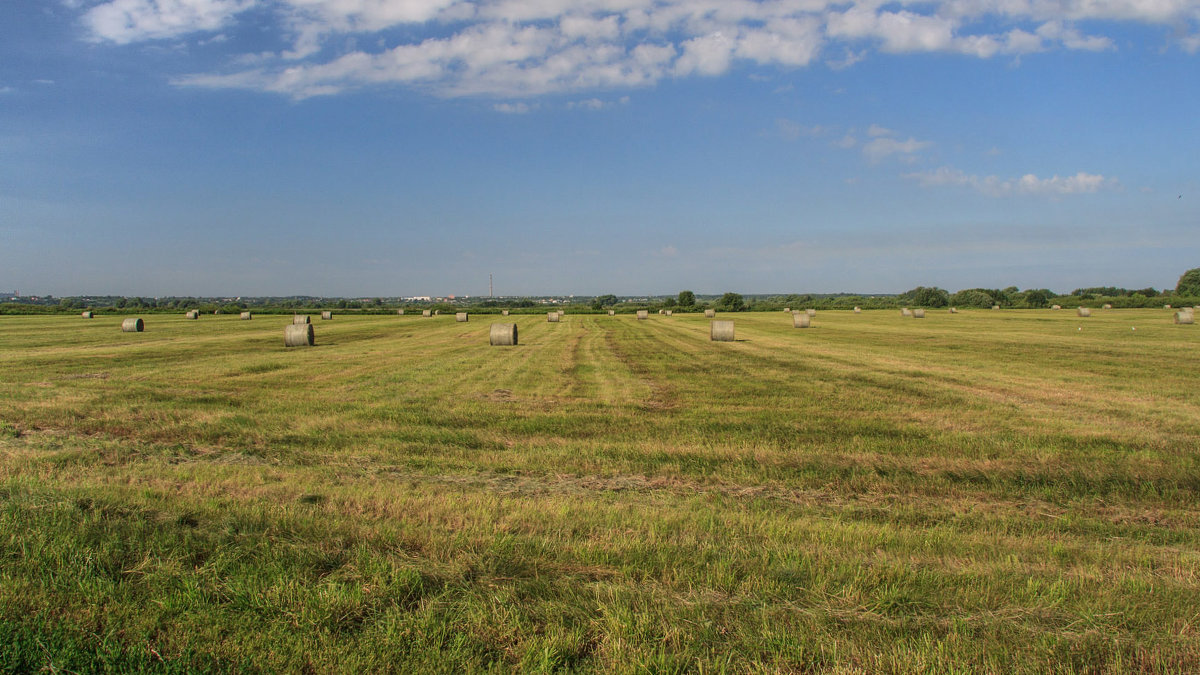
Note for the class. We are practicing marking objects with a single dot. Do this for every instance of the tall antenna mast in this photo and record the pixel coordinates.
(491, 289)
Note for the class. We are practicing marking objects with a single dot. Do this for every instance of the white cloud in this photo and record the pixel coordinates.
(527, 48)
(882, 147)
(1029, 184)
(518, 108)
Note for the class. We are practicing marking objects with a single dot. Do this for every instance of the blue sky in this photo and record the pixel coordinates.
(412, 147)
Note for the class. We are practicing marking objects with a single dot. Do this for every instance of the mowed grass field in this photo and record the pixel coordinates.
(992, 491)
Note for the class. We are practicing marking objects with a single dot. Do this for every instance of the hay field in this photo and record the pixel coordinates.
(982, 492)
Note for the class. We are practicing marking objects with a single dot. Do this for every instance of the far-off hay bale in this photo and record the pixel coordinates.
(1166, 307)
(437, 312)
(995, 306)
(552, 317)
(801, 320)
(326, 316)
(1107, 305)
(192, 314)
(1185, 317)
(954, 310)
(642, 315)
(662, 311)
(668, 312)
(612, 312)
(918, 314)
(1055, 307)
(215, 311)
(1083, 311)
(300, 319)
(426, 312)
(787, 309)
(504, 312)
(710, 313)
(87, 315)
(721, 331)
(503, 334)
(245, 316)
(810, 312)
(460, 317)
(858, 310)
(298, 335)
(904, 311)
(399, 312)
(132, 326)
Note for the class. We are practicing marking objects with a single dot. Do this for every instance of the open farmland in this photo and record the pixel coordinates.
(980, 492)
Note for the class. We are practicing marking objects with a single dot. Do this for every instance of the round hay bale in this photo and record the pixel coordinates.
(904, 311)
(552, 317)
(1166, 307)
(661, 311)
(858, 310)
(300, 319)
(437, 312)
(502, 335)
(326, 315)
(132, 326)
(215, 311)
(298, 335)
(801, 320)
(710, 313)
(1106, 305)
(504, 312)
(1056, 307)
(954, 310)
(721, 331)
(245, 316)
(918, 313)
(1185, 317)
(399, 312)
(787, 309)
(426, 312)
(1083, 311)
(192, 314)
(810, 312)
(460, 317)
(668, 312)
(87, 315)
(612, 312)
(995, 306)
(642, 315)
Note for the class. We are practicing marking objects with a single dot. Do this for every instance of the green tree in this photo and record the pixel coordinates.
(669, 302)
(687, 299)
(603, 301)
(731, 302)
(922, 296)
(1037, 298)
(1189, 283)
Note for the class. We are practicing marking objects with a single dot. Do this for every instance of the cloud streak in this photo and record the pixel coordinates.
(1028, 184)
(527, 48)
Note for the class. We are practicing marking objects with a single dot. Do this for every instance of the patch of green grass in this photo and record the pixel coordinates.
(982, 492)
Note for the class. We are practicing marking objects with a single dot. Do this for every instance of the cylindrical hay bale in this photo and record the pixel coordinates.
(643, 315)
(1083, 311)
(298, 335)
(904, 311)
(87, 315)
(1056, 307)
(460, 317)
(710, 313)
(504, 312)
(326, 316)
(787, 309)
(437, 312)
(426, 312)
(503, 334)
(1166, 307)
(132, 326)
(858, 310)
(192, 314)
(300, 319)
(918, 314)
(399, 312)
(215, 311)
(612, 312)
(1185, 317)
(721, 331)
(552, 317)
(801, 320)
(954, 310)
(245, 316)
(995, 306)
(810, 312)
(668, 312)
(1107, 306)
(662, 311)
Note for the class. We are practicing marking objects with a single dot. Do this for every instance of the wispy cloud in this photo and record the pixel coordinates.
(1028, 184)
(520, 49)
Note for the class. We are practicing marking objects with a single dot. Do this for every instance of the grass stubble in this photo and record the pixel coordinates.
(983, 492)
